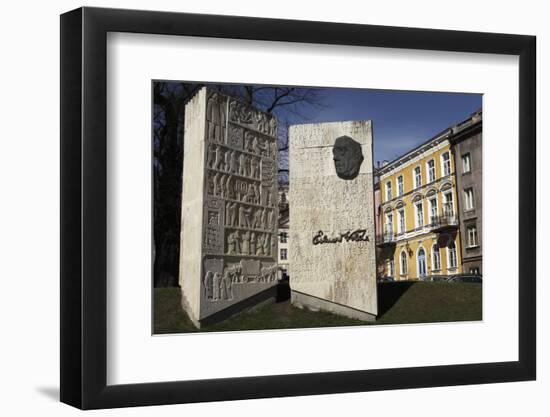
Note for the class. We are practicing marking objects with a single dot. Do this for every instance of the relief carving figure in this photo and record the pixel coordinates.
(226, 290)
(221, 186)
(255, 146)
(260, 244)
(267, 245)
(234, 164)
(242, 165)
(245, 246)
(216, 286)
(208, 284)
(231, 214)
(250, 194)
(227, 161)
(214, 117)
(348, 157)
(263, 147)
(247, 216)
(256, 194)
(218, 158)
(233, 243)
(248, 139)
(211, 156)
(257, 219)
(246, 169)
(215, 180)
(264, 219)
(254, 165)
(253, 243)
(242, 220)
(272, 127)
(228, 187)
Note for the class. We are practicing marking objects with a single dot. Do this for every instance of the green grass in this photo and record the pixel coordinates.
(402, 302)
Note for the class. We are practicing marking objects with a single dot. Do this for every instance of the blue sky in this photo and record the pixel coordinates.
(401, 119)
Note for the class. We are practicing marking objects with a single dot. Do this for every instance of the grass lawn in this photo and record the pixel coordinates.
(400, 302)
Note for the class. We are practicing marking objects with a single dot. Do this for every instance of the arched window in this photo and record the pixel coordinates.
(436, 258)
(421, 263)
(451, 255)
(403, 263)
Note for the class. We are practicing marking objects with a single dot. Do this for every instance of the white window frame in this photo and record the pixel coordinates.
(388, 191)
(284, 237)
(400, 185)
(469, 235)
(391, 268)
(432, 215)
(449, 266)
(469, 200)
(445, 201)
(445, 172)
(389, 222)
(403, 271)
(401, 221)
(434, 257)
(416, 215)
(285, 251)
(466, 163)
(417, 178)
(421, 248)
(429, 171)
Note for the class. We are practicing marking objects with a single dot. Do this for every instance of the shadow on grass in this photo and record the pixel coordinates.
(389, 293)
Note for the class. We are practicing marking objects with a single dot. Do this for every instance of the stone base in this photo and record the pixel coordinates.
(312, 303)
(266, 297)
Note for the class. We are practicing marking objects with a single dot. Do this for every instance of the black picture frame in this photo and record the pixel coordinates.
(84, 207)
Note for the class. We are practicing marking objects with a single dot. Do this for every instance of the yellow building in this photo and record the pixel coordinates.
(419, 236)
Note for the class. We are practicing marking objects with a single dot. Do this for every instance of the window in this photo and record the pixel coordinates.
(417, 177)
(284, 254)
(436, 258)
(400, 189)
(284, 237)
(401, 224)
(433, 210)
(451, 255)
(419, 214)
(403, 263)
(469, 199)
(466, 163)
(421, 262)
(391, 268)
(431, 170)
(446, 158)
(474, 271)
(389, 223)
(472, 235)
(388, 191)
(448, 203)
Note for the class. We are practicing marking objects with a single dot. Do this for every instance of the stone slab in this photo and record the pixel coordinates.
(229, 230)
(332, 228)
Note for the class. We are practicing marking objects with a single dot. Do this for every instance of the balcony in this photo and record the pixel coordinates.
(385, 239)
(443, 223)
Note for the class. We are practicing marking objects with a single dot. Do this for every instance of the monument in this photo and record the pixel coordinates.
(332, 229)
(228, 253)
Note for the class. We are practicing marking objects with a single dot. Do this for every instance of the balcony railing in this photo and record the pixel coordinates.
(445, 221)
(385, 238)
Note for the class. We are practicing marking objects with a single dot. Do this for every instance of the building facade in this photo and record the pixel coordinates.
(467, 149)
(419, 236)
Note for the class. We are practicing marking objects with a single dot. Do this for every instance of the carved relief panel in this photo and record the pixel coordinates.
(240, 214)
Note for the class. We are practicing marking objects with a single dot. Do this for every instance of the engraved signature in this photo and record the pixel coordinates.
(359, 235)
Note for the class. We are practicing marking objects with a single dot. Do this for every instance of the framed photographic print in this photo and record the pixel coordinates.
(257, 208)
